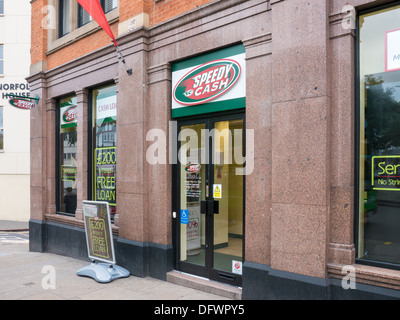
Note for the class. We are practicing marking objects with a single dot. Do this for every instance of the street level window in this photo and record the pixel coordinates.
(379, 144)
(64, 14)
(1, 6)
(1, 59)
(104, 132)
(1, 130)
(67, 155)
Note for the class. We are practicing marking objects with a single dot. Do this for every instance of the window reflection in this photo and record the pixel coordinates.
(379, 176)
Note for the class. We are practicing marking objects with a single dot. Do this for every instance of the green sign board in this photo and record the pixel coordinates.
(210, 82)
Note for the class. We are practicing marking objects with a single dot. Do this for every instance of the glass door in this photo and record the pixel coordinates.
(210, 220)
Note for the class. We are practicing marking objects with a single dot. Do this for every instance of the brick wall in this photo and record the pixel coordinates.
(167, 9)
(158, 12)
(39, 34)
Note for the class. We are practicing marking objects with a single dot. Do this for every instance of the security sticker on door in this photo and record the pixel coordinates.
(236, 267)
(217, 191)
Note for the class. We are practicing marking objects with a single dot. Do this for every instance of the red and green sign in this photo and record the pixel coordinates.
(22, 102)
(70, 114)
(209, 83)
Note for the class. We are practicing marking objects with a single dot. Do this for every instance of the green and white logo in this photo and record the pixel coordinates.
(207, 82)
(211, 82)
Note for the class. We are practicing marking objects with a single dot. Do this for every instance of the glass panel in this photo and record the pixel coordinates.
(68, 155)
(83, 16)
(193, 178)
(379, 197)
(1, 6)
(1, 129)
(64, 17)
(1, 59)
(228, 191)
(105, 146)
(109, 5)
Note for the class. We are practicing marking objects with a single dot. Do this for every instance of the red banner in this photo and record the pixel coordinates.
(94, 9)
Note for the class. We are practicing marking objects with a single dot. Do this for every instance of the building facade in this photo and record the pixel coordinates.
(15, 17)
(253, 143)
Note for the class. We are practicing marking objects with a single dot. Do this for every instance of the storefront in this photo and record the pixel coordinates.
(209, 100)
(240, 149)
(379, 101)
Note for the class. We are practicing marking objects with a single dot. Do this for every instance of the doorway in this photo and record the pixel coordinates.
(209, 198)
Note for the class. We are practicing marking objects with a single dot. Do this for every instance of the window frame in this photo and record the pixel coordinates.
(357, 137)
(60, 14)
(91, 145)
(58, 159)
(2, 59)
(80, 16)
(2, 129)
(103, 5)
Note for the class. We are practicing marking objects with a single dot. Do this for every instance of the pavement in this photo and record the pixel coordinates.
(26, 275)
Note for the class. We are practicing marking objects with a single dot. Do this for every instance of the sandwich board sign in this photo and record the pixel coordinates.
(99, 242)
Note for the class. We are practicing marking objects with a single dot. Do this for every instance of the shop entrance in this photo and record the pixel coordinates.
(209, 198)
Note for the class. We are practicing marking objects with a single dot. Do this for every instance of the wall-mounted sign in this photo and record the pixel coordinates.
(386, 173)
(15, 89)
(209, 83)
(22, 102)
(392, 55)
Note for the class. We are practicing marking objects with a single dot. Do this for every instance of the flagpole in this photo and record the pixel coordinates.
(128, 71)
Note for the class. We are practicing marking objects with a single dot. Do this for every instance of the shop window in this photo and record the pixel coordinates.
(64, 13)
(67, 155)
(1, 130)
(379, 149)
(104, 135)
(1, 59)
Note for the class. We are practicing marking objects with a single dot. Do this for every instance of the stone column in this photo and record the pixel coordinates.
(82, 150)
(258, 118)
(300, 140)
(341, 238)
(37, 84)
(50, 156)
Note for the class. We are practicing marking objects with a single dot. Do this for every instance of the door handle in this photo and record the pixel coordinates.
(203, 207)
(209, 207)
(215, 207)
